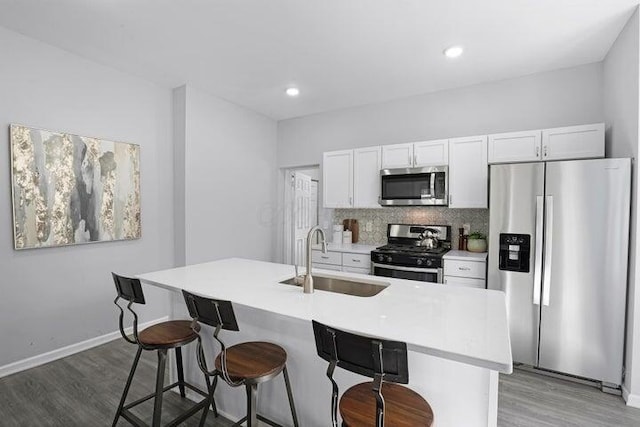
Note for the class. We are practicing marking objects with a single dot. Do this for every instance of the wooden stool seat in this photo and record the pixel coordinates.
(256, 361)
(403, 407)
(174, 333)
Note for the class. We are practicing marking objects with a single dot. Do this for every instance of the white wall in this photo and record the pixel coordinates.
(621, 98)
(229, 179)
(55, 297)
(557, 98)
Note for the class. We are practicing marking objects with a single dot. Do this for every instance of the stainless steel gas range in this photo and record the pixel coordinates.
(413, 252)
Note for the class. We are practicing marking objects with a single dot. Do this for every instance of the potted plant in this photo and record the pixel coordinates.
(477, 242)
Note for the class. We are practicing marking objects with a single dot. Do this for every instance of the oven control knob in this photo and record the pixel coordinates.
(380, 257)
(429, 263)
(419, 262)
(389, 259)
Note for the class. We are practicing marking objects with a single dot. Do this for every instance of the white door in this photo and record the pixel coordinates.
(397, 156)
(431, 153)
(302, 216)
(468, 172)
(574, 142)
(366, 177)
(314, 204)
(515, 147)
(337, 179)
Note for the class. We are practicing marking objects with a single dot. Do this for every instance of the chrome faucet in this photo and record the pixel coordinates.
(308, 280)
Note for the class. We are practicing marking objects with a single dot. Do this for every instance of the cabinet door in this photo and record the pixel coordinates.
(468, 171)
(337, 179)
(574, 142)
(367, 163)
(515, 147)
(431, 153)
(397, 156)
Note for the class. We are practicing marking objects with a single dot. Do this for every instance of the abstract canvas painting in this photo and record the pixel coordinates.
(70, 189)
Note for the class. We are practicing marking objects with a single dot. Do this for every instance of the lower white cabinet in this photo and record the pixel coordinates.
(342, 261)
(463, 268)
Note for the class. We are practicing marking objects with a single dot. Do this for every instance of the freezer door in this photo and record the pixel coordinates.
(515, 207)
(585, 270)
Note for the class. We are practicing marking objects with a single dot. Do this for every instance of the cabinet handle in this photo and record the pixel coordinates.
(464, 268)
(409, 158)
(415, 159)
(350, 201)
(537, 151)
(450, 198)
(355, 260)
(545, 151)
(324, 257)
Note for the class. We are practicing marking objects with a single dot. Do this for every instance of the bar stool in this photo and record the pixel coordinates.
(160, 337)
(379, 403)
(247, 364)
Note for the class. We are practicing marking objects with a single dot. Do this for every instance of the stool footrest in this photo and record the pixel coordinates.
(134, 420)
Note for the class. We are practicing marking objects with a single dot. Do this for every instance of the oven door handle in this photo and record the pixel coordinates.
(399, 267)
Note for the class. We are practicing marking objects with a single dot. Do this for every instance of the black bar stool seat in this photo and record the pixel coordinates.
(160, 338)
(246, 364)
(254, 362)
(403, 407)
(381, 403)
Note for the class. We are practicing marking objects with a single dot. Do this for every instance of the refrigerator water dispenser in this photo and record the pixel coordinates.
(515, 252)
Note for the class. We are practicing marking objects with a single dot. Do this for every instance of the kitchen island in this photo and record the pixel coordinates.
(458, 338)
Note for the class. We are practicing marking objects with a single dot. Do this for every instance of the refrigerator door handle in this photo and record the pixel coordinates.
(537, 269)
(548, 243)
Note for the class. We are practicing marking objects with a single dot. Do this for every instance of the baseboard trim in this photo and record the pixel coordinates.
(632, 400)
(50, 356)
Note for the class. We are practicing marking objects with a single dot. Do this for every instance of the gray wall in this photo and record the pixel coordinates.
(557, 98)
(621, 89)
(60, 296)
(229, 180)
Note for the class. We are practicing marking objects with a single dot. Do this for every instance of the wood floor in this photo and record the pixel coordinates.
(84, 390)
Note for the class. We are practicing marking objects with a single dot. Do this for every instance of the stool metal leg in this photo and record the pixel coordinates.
(128, 385)
(211, 400)
(252, 416)
(180, 371)
(157, 405)
(290, 396)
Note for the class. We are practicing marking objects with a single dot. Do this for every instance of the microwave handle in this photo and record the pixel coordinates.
(432, 184)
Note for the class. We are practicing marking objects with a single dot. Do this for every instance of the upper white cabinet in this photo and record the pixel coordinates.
(397, 156)
(431, 153)
(366, 177)
(468, 172)
(515, 147)
(416, 154)
(573, 142)
(337, 179)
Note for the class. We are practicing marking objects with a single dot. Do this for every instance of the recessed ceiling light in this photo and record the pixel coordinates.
(293, 91)
(453, 51)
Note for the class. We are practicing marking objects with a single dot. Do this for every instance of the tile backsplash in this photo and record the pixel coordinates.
(379, 218)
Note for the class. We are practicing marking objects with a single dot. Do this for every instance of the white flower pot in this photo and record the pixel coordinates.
(477, 245)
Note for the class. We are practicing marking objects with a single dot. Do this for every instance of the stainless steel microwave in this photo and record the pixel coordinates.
(414, 186)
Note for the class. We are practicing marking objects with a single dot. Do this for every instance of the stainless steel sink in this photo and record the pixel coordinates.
(342, 286)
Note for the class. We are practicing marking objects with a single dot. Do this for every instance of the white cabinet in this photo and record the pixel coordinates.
(342, 261)
(337, 179)
(431, 153)
(573, 142)
(416, 154)
(397, 156)
(515, 147)
(367, 163)
(465, 269)
(468, 172)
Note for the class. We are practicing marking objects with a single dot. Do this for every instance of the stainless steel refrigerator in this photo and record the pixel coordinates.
(558, 248)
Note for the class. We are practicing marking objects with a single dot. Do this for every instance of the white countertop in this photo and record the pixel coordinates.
(355, 248)
(462, 324)
(465, 256)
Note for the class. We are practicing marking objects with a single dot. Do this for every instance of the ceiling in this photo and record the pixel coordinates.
(340, 53)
